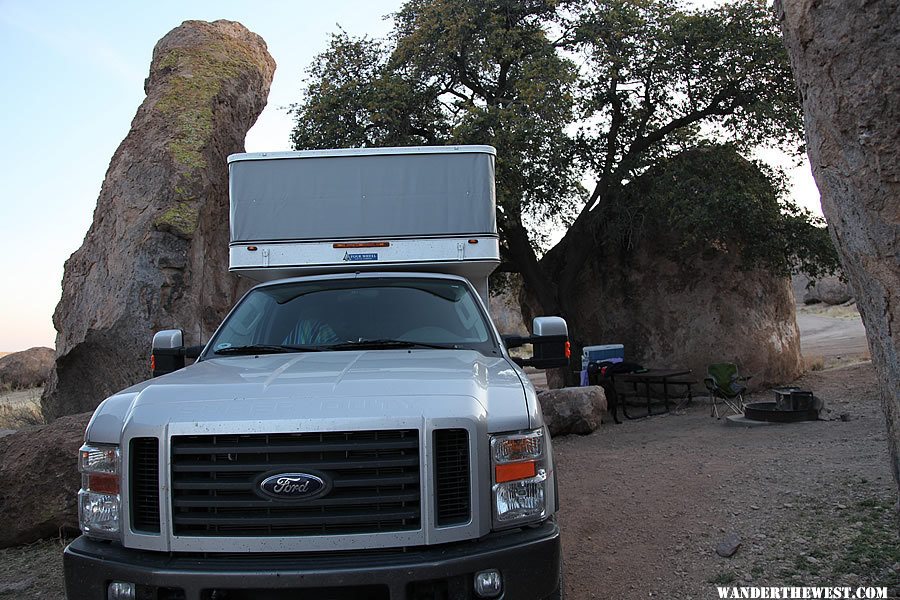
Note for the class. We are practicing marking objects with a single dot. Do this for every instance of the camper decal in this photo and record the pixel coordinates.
(355, 257)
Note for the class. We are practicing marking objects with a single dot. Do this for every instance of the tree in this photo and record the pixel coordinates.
(565, 91)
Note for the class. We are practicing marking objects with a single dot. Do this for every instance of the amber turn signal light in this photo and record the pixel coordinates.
(104, 483)
(514, 471)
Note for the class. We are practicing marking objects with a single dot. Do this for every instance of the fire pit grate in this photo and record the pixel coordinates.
(769, 411)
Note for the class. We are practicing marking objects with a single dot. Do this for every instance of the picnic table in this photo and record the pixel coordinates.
(665, 377)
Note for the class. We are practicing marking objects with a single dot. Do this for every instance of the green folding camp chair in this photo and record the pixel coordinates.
(725, 387)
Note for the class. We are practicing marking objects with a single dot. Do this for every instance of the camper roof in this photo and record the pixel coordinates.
(361, 152)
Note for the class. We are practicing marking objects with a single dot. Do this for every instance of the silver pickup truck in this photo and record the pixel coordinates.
(357, 430)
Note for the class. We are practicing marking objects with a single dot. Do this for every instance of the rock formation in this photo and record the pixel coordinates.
(827, 290)
(39, 481)
(673, 298)
(573, 410)
(156, 255)
(504, 306)
(847, 65)
(672, 314)
(27, 369)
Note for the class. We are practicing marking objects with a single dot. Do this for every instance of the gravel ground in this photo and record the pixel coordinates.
(645, 503)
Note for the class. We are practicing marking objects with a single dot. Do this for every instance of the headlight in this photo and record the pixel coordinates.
(520, 475)
(98, 500)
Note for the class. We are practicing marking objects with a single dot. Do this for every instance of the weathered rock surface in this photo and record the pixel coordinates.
(26, 369)
(748, 319)
(573, 410)
(671, 314)
(729, 546)
(39, 480)
(675, 300)
(830, 290)
(505, 309)
(847, 66)
(156, 255)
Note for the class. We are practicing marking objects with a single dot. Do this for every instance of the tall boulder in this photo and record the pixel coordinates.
(156, 254)
(504, 306)
(846, 62)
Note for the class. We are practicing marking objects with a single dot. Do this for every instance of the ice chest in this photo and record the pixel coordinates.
(610, 352)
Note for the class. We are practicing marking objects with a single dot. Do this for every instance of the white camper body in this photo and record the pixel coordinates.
(429, 209)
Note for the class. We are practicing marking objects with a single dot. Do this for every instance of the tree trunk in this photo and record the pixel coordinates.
(845, 58)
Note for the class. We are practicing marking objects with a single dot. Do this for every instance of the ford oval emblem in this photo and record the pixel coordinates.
(292, 486)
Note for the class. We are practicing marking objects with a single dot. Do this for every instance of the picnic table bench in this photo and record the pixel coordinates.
(667, 378)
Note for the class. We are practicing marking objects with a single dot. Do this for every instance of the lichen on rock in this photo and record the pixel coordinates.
(182, 219)
(159, 240)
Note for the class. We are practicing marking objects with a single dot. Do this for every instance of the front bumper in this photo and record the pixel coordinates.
(528, 560)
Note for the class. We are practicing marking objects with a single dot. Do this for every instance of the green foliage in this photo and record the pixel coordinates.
(570, 91)
(455, 72)
(711, 199)
(659, 80)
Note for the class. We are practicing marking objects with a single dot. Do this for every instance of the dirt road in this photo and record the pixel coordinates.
(831, 332)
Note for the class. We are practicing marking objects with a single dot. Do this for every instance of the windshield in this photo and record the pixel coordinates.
(348, 314)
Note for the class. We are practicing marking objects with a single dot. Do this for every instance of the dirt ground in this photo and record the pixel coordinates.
(831, 335)
(645, 503)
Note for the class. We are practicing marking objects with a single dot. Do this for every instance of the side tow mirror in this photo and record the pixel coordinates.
(168, 352)
(550, 340)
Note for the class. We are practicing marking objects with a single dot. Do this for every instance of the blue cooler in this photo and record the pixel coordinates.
(607, 352)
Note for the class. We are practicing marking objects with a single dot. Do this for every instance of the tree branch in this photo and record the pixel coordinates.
(469, 81)
(713, 108)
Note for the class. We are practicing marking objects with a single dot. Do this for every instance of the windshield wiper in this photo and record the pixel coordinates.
(265, 349)
(385, 343)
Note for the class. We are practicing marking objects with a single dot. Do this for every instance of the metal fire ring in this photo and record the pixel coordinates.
(766, 411)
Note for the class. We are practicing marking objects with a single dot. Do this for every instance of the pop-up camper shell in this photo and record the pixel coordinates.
(372, 209)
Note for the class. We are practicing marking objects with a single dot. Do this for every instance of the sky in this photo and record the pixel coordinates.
(71, 75)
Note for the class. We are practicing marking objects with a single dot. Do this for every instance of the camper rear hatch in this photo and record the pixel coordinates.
(405, 209)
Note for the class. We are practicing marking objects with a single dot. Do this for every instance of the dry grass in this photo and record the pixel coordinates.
(20, 408)
(33, 571)
(813, 363)
(836, 311)
(23, 415)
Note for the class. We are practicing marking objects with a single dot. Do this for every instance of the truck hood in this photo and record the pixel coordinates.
(324, 390)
